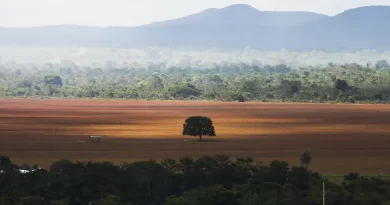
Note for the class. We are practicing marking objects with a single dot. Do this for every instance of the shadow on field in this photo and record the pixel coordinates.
(205, 141)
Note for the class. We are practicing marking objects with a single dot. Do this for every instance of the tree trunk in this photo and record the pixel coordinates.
(200, 138)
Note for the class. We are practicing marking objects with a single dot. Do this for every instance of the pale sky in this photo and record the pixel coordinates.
(21, 13)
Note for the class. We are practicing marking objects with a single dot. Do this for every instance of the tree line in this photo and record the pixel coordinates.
(348, 83)
(207, 180)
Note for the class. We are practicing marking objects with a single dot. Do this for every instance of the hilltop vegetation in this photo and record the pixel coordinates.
(234, 82)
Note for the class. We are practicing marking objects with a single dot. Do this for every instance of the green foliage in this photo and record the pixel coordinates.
(178, 200)
(299, 177)
(55, 202)
(198, 126)
(207, 180)
(290, 87)
(386, 203)
(305, 159)
(32, 200)
(341, 85)
(382, 64)
(183, 91)
(6, 164)
(209, 95)
(109, 200)
(155, 82)
(236, 97)
(277, 172)
(351, 177)
(211, 195)
(60, 165)
(5, 201)
(52, 81)
(347, 83)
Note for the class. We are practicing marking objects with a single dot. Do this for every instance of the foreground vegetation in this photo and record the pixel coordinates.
(239, 82)
(207, 180)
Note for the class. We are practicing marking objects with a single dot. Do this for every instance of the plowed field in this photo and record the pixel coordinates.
(342, 138)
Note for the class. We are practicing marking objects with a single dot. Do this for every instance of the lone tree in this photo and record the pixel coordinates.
(305, 159)
(198, 126)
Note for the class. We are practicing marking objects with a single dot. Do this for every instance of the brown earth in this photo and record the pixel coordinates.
(342, 138)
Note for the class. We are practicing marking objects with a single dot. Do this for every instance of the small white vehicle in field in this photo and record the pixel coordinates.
(95, 138)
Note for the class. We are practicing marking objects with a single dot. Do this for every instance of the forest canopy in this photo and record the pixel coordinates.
(207, 180)
(231, 82)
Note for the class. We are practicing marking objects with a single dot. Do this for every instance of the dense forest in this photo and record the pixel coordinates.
(352, 83)
(207, 180)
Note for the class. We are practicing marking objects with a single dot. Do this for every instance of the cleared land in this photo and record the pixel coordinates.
(342, 138)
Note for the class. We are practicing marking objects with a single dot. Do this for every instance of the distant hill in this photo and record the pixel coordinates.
(235, 26)
(355, 29)
(241, 14)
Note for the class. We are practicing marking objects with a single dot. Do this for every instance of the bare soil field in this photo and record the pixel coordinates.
(342, 138)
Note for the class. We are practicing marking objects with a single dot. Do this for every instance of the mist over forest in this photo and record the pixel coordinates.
(164, 58)
(236, 53)
(178, 74)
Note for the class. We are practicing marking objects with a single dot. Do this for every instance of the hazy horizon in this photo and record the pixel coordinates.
(20, 13)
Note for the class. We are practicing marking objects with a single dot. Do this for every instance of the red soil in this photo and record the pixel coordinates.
(342, 138)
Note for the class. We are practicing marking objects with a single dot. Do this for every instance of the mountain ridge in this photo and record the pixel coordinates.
(245, 14)
(235, 26)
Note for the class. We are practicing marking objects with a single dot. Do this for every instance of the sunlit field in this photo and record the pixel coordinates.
(342, 138)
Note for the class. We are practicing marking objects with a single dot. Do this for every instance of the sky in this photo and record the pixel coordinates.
(26, 13)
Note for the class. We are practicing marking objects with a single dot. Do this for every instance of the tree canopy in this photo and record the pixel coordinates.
(206, 180)
(198, 126)
(343, 83)
(305, 159)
